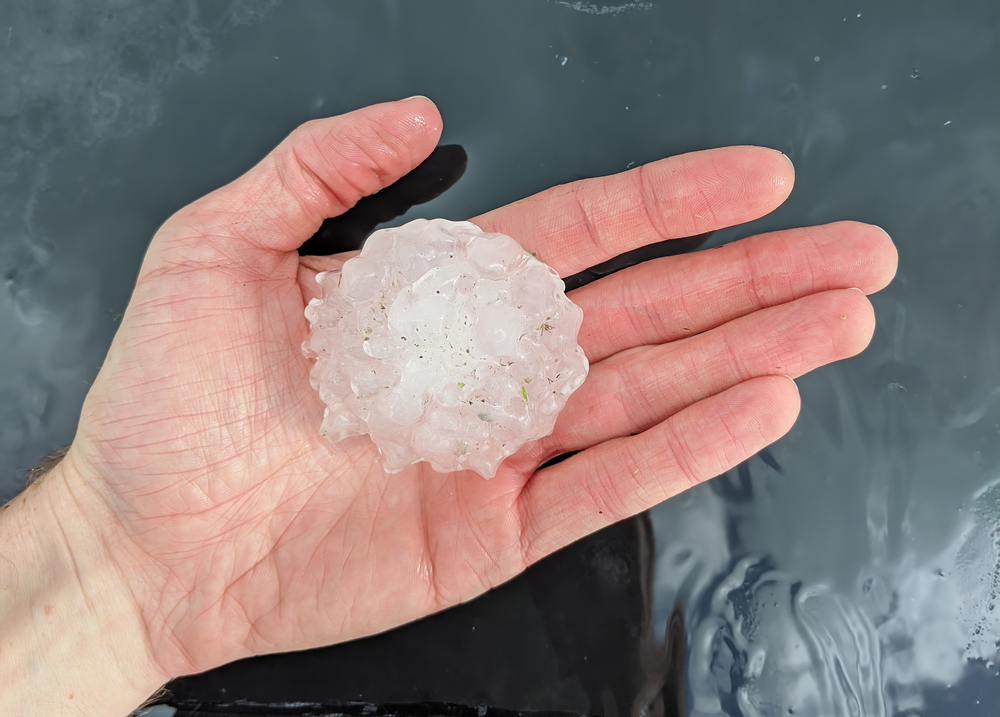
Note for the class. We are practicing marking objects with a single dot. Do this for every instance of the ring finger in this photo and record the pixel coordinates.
(639, 388)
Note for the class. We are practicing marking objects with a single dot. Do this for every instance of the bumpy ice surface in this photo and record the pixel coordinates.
(444, 344)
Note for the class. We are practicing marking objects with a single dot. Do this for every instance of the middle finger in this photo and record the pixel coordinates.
(666, 299)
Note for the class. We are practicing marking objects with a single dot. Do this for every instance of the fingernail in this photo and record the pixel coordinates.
(793, 381)
(417, 97)
(883, 231)
(854, 288)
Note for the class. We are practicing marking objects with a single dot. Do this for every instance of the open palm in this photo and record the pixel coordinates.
(238, 530)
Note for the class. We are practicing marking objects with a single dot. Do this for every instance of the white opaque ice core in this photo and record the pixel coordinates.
(444, 344)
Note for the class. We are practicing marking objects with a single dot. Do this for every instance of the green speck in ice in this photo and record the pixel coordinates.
(524, 393)
(461, 385)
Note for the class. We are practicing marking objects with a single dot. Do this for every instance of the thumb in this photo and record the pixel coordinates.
(319, 171)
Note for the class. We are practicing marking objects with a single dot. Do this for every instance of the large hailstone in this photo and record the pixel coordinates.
(445, 344)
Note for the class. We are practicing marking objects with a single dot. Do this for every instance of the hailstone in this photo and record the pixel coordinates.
(444, 344)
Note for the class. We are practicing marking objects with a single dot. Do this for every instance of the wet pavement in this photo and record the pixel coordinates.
(851, 569)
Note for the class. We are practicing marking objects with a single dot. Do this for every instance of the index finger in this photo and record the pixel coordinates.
(574, 226)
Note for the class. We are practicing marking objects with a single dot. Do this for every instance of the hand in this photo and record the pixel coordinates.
(231, 528)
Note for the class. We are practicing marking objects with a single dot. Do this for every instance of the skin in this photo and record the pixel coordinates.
(199, 517)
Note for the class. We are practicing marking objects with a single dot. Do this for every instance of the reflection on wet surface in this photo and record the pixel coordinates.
(852, 569)
(797, 604)
(898, 637)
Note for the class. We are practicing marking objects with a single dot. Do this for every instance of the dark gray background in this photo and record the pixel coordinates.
(852, 572)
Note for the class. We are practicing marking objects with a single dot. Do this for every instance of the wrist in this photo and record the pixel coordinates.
(72, 639)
